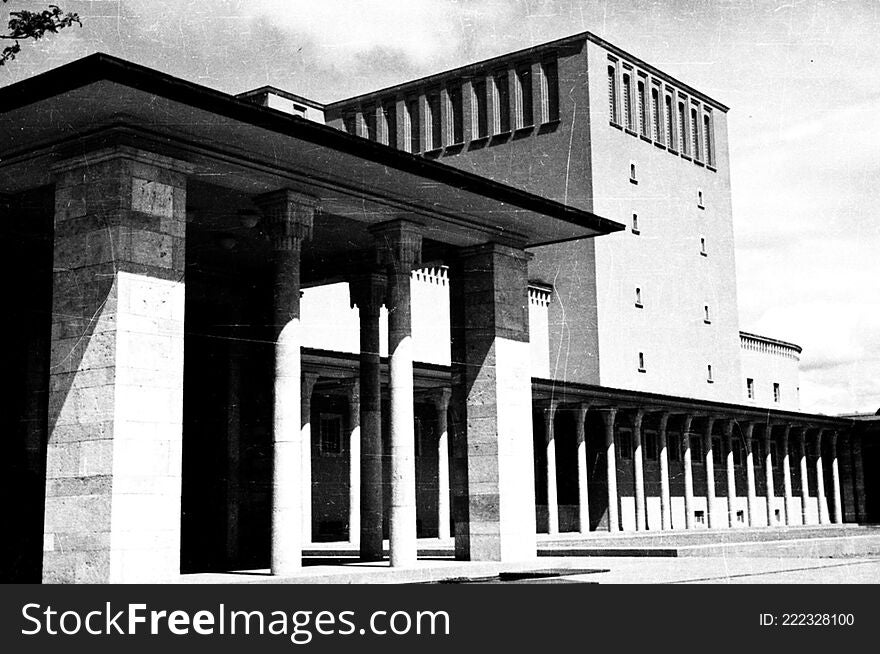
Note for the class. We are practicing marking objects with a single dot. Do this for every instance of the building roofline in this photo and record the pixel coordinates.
(280, 92)
(102, 67)
(772, 341)
(427, 80)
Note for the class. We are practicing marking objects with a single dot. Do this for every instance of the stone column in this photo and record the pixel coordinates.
(353, 395)
(115, 412)
(835, 476)
(805, 474)
(731, 473)
(441, 406)
(665, 498)
(820, 481)
(688, 473)
(608, 416)
(367, 293)
(307, 388)
(399, 246)
(768, 473)
(583, 475)
(493, 450)
(709, 456)
(750, 474)
(550, 441)
(639, 472)
(786, 473)
(289, 217)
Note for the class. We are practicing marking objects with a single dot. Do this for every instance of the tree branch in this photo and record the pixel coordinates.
(33, 25)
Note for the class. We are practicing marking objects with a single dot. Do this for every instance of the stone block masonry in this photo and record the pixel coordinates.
(116, 369)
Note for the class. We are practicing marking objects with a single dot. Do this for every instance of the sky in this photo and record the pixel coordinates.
(802, 79)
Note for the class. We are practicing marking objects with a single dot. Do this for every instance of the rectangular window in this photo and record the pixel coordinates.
(549, 91)
(627, 102)
(525, 116)
(389, 119)
(635, 224)
(330, 442)
(625, 442)
(674, 444)
(682, 129)
(639, 297)
(651, 445)
(349, 122)
(750, 388)
(717, 452)
(709, 137)
(706, 318)
(695, 135)
(480, 113)
(703, 246)
(670, 124)
(776, 392)
(434, 121)
(656, 118)
(642, 102)
(456, 114)
(612, 93)
(641, 362)
(414, 126)
(501, 97)
(709, 374)
(370, 123)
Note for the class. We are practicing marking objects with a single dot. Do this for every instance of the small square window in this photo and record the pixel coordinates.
(635, 224)
(741, 517)
(700, 517)
(641, 362)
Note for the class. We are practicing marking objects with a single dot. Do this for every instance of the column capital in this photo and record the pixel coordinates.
(551, 408)
(367, 291)
(441, 397)
(636, 416)
(728, 427)
(398, 245)
(608, 415)
(581, 411)
(353, 391)
(710, 425)
(308, 383)
(748, 428)
(686, 423)
(289, 217)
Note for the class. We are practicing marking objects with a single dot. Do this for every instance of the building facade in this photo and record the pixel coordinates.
(503, 303)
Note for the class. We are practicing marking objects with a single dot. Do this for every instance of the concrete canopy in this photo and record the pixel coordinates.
(248, 149)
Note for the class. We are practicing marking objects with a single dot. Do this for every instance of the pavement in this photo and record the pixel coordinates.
(834, 554)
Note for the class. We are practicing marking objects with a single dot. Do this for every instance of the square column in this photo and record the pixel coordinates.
(368, 293)
(731, 473)
(399, 248)
(750, 475)
(441, 407)
(805, 474)
(710, 472)
(768, 473)
(289, 216)
(493, 452)
(608, 417)
(115, 424)
(550, 440)
(583, 475)
(665, 497)
(824, 518)
(687, 434)
(786, 474)
(639, 471)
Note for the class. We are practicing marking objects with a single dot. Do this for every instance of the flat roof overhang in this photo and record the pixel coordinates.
(232, 143)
